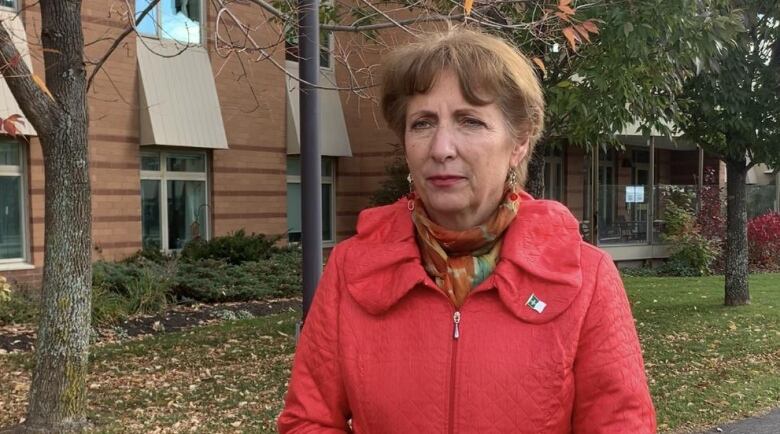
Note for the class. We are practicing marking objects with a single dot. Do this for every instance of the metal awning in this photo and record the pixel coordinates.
(333, 127)
(8, 106)
(632, 136)
(178, 96)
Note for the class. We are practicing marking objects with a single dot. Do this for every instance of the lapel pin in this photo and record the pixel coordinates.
(535, 304)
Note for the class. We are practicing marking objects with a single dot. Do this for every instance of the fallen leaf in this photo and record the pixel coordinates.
(538, 61)
(467, 5)
(566, 9)
(593, 28)
(568, 32)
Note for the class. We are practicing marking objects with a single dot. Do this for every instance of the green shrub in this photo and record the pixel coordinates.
(235, 248)
(21, 306)
(149, 294)
(119, 277)
(211, 280)
(640, 271)
(691, 253)
(149, 254)
(395, 185)
(108, 307)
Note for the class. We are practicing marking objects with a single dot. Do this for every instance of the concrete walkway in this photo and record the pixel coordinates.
(766, 424)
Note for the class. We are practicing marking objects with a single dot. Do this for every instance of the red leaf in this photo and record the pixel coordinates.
(566, 10)
(11, 123)
(14, 61)
(591, 26)
(581, 30)
(562, 16)
(571, 36)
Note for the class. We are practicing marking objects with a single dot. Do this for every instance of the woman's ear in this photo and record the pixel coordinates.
(519, 152)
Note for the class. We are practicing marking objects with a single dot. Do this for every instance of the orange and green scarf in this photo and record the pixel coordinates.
(460, 260)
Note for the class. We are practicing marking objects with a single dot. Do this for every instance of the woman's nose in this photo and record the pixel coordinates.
(443, 143)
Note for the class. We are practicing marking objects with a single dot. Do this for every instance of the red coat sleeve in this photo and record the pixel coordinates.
(611, 393)
(316, 400)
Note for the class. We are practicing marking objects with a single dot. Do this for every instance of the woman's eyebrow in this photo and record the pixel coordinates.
(423, 112)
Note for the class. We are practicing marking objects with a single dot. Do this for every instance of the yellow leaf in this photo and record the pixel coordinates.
(568, 32)
(42, 85)
(467, 5)
(564, 2)
(540, 64)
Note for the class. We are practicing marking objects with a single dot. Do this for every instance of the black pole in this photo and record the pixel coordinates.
(311, 188)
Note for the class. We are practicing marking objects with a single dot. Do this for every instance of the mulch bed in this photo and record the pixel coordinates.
(21, 338)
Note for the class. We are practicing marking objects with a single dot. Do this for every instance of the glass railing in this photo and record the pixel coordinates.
(761, 200)
(624, 217)
(685, 196)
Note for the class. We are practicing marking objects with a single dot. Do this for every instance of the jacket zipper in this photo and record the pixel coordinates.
(453, 367)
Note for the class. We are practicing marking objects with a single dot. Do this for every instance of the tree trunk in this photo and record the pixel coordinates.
(737, 291)
(534, 176)
(57, 401)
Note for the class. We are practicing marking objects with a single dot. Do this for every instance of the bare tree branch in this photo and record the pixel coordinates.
(119, 40)
(37, 105)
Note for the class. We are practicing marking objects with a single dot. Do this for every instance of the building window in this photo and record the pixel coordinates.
(178, 20)
(8, 4)
(294, 199)
(553, 174)
(174, 199)
(13, 239)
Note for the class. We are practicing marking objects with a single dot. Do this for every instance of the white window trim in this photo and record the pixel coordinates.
(163, 175)
(158, 25)
(330, 180)
(23, 262)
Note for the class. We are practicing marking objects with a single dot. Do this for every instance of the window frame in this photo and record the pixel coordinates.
(324, 179)
(14, 8)
(158, 25)
(554, 160)
(163, 176)
(329, 49)
(21, 171)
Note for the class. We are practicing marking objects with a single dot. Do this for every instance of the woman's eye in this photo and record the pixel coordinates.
(420, 124)
(472, 122)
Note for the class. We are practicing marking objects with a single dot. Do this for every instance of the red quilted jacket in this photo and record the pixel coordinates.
(385, 351)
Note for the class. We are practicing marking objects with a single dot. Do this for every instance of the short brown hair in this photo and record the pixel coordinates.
(489, 70)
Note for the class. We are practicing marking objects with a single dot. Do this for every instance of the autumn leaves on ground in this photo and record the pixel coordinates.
(706, 363)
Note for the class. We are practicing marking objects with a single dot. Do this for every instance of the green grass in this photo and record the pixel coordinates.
(706, 364)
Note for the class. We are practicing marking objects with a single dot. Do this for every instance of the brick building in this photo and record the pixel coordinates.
(179, 148)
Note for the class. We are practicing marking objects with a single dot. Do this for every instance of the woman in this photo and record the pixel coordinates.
(469, 307)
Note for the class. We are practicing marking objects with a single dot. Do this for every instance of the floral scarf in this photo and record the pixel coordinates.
(461, 260)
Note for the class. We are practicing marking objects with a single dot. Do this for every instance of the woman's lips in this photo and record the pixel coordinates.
(444, 181)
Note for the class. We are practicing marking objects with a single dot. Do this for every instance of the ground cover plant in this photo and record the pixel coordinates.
(706, 364)
(232, 268)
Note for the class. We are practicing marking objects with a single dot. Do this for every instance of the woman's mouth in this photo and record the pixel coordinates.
(444, 181)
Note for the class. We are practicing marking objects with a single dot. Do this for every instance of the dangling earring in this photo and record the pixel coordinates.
(511, 178)
(411, 196)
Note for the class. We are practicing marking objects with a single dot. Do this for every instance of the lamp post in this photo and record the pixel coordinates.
(311, 189)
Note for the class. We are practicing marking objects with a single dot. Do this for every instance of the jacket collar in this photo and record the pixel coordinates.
(540, 256)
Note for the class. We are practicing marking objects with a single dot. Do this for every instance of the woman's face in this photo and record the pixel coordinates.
(458, 154)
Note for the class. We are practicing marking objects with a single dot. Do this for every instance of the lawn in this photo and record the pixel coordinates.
(707, 364)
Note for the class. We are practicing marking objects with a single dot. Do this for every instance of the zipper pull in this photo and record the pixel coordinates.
(456, 320)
